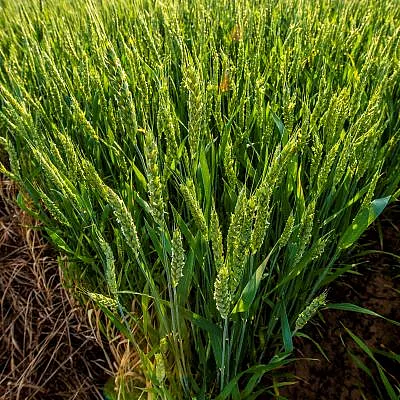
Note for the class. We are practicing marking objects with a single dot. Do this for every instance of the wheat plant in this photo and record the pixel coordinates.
(203, 165)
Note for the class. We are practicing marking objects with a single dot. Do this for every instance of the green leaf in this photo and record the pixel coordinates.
(161, 243)
(300, 266)
(59, 242)
(250, 290)
(109, 389)
(185, 283)
(389, 388)
(337, 272)
(286, 332)
(215, 333)
(184, 228)
(139, 176)
(205, 174)
(386, 253)
(362, 220)
(316, 344)
(361, 310)
(256, 373)
(278, 122)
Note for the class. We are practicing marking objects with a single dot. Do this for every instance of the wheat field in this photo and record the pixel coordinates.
(203, 166)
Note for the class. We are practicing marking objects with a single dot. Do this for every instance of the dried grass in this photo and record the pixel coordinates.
(48, 348)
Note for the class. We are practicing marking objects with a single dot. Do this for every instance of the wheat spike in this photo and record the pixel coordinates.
(222, 292)
(178, 258)
(311, 310)
(155, 189)
(189, 194)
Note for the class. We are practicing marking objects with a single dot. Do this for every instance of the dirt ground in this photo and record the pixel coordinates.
(48, 348)
(376, 287)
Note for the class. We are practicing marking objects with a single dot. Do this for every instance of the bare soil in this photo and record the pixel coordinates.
(373, 286)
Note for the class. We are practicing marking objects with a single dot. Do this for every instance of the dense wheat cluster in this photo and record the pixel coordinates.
(203, 165)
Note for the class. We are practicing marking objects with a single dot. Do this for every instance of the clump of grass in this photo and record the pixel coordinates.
(205, 162)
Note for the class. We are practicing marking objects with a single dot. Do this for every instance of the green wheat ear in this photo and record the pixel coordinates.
(238, 240)
(229, 164)
(155, 190)
(287, 232)
(311, 310)
(108, 257)
(189, 195)
(104, 301)
(178, 258)
(222, 292)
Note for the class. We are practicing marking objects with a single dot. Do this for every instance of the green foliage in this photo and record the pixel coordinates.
(202, 164)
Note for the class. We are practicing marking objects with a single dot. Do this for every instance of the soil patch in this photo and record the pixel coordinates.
(375, 286)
